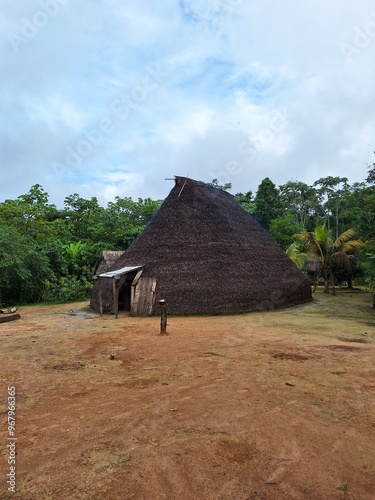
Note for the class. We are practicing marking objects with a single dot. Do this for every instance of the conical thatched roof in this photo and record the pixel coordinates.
(107, 260)
(208, 256)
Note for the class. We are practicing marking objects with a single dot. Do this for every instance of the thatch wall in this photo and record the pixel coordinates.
(209, 256)
(107, 259)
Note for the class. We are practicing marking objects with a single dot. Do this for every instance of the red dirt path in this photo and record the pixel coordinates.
(277, 405)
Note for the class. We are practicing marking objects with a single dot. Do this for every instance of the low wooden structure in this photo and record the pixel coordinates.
(134, 293)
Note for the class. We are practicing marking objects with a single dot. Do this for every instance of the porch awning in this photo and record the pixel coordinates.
(119, 272)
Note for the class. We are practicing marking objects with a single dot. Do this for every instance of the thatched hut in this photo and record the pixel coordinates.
(106, 260)
(203, 254)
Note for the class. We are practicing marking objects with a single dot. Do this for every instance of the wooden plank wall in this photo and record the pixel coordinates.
(143, 297)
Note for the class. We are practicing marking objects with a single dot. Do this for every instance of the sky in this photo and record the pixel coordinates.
(109, 98)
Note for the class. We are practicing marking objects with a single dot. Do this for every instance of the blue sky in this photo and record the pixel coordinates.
(110, 97)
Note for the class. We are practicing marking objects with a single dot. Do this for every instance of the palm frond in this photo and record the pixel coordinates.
(352, 246)
(311, 244)
(307, 239)
(296, 256)
(343, 238)
(321, 233)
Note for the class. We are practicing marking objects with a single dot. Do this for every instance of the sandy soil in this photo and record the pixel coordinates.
(277, 405)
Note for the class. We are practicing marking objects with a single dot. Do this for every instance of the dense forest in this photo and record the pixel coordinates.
(49, 254)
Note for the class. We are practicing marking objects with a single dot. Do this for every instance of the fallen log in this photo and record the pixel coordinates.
(10, 317)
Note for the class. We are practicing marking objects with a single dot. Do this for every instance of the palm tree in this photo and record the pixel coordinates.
(295, 255)
(321, 245)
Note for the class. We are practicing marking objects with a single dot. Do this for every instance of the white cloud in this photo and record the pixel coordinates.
(232, 67)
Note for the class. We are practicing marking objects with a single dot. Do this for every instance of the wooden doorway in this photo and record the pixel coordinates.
(143, 296)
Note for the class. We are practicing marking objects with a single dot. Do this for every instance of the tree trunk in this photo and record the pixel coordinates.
(337, 222)
(333, 284)
(350, 281)
(326, 279)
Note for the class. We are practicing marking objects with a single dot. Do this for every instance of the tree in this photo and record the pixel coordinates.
(368, 264)
(371, 174)
(283, 228)
(301, 200)
(23, 268)
(326, 249)
(246, 201)
(225, 187)
(30, 214)
(126, 219)
(360, 211)
(335, 192)
(82, 215)
(267, 202)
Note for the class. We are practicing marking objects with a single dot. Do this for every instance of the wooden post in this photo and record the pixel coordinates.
(115, 296)
(163, 317)
(100, 297)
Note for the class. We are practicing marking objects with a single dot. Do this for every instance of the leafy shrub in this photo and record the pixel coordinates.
(23, 268)
(67, 289)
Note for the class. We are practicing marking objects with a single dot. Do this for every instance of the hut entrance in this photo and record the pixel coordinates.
(124, 296)
(123, 284)
(137, 295)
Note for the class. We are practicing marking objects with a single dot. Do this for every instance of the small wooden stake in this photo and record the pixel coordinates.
(163, 317)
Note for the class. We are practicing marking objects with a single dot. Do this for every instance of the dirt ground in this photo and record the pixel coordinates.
(271, 405)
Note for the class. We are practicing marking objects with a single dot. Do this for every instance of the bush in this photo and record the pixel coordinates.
(23, 269)
(67, 289)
